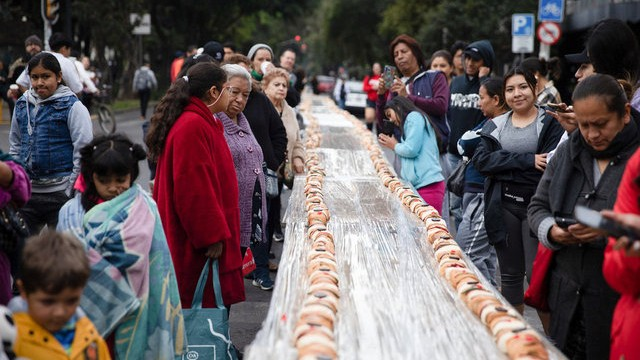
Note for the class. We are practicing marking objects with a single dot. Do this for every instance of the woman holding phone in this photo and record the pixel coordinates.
(417, 150)
(427, 89)
(586, 170)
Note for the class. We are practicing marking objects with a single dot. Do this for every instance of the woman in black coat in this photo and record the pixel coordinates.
(585, 170)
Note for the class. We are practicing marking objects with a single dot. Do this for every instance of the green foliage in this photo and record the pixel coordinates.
(437, 24)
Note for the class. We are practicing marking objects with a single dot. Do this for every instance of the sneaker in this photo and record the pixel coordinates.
(264, 284)
(278, 237)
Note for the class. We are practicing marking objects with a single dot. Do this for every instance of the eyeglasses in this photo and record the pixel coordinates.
(234, 92)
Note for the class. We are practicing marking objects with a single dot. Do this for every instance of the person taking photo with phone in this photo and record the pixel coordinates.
(427, 89)
(586, 170)
(418, 149)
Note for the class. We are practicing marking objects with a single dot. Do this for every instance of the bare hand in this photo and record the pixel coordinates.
(382, 87)
(298, 165)
(562, 236)
(541, 161)
(484, 71)
(632, 221)
(387, 141)
(566, 119)
(214, 251)
(584, 233)
(398, 87)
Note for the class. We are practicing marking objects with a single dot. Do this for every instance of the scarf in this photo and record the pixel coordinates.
(624, 139)
(256, 75)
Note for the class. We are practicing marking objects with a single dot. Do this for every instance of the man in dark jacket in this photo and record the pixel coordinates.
(464, 111)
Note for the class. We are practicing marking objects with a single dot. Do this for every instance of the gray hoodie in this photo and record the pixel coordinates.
(80, 130)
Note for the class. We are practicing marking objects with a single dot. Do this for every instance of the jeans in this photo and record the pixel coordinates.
(516, 253)
(455, 202)
(472, 236)
(260, 252)
(42, 209)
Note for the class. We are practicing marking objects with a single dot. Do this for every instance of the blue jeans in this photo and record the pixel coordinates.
(472, 236)
(260, 252)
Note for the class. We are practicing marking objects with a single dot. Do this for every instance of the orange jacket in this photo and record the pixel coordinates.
(34, 342)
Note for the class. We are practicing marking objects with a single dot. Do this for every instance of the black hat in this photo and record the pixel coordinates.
(579, 58)
(214, 49)
(58, 40)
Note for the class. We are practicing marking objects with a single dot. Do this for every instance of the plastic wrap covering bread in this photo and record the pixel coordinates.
(406, 291)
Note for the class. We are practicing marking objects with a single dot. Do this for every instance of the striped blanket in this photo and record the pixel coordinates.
(132, 290)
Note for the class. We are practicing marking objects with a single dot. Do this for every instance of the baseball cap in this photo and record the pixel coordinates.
(578, 58)
(214, 49)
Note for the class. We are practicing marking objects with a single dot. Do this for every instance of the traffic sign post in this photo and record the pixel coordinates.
(522, 33)
(551, 10)
(548, 33)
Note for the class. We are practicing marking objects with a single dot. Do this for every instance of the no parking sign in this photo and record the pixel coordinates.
(549, 32)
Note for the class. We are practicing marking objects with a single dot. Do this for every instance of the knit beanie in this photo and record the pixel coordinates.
(33, 40)
(255, 48)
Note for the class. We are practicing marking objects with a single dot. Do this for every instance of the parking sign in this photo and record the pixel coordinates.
(522, 25)
(551, 10)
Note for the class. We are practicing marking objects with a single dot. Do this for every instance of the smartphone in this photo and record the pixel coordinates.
(556, 108)
(388, 74)
(387, 127)
(565, 222)
(594, 219)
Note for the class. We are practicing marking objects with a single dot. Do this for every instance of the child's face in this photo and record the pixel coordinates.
(52, 311)
(111, 186)
(45, 82)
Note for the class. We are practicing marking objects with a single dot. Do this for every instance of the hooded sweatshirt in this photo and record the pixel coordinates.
(464, 109)
(37, 117)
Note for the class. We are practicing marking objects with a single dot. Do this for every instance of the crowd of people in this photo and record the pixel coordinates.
(110, 265)
(527, 160)
(224, 140)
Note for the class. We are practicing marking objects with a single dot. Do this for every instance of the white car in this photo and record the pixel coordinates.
(356, 98)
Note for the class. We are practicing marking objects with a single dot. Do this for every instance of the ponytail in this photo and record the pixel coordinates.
(199, 79)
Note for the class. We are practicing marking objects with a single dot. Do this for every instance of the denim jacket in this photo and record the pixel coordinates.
(47, 134)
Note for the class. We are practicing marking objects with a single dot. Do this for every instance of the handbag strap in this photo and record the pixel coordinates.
(217, 289)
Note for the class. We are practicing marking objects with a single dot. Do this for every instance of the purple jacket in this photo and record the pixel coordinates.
(19, 192)
(247, 159)
(429, 91)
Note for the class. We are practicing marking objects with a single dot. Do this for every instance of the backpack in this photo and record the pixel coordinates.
(143, 80)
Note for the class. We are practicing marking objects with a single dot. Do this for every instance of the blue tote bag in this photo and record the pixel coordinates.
(208, 329)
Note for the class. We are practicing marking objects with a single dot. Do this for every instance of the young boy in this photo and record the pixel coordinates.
(55, 269)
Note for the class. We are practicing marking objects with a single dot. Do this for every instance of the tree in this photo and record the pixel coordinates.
(467, 20)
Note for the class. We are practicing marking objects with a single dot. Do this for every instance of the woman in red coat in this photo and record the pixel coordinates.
(622, 267)
(195, 186)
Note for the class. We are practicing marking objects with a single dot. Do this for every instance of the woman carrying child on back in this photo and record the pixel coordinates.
(418, 151)
(119, 223)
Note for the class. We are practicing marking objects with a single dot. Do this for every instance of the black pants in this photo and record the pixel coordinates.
(274, 206)
(42, 209)
(516, 253)
(145, 95)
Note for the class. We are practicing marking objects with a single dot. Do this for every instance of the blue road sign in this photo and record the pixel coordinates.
(522, 25)
(551, 10)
